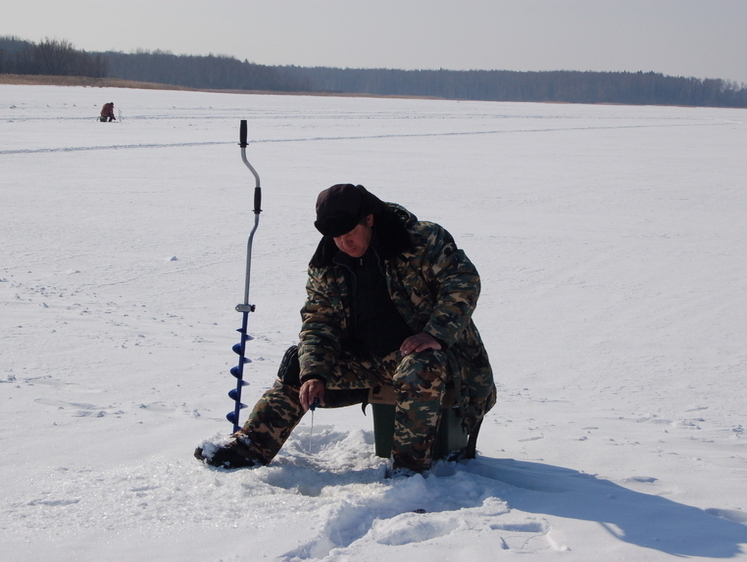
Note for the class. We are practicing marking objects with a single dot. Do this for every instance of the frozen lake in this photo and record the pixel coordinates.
(612, 246)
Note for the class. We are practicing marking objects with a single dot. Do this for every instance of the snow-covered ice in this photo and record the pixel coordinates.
(612, 245)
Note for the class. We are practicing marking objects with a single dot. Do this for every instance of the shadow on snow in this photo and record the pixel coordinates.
(645, 520)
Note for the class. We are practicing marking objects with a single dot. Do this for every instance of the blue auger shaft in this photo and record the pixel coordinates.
(245, 308)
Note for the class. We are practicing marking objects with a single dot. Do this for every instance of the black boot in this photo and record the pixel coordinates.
(231, 455)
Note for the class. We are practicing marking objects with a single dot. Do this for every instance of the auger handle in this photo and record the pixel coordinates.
(257, 188)
(242, 134)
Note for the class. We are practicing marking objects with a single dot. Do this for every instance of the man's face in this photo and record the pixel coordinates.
(356, 242)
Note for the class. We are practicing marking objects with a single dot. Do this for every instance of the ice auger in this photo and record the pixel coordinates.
(244, 308)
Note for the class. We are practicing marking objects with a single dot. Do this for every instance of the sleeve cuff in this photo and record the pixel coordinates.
(313, 376)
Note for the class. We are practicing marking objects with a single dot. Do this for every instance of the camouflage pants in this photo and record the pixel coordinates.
(419, 382)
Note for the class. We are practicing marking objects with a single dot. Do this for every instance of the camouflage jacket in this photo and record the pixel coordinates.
(433, 285)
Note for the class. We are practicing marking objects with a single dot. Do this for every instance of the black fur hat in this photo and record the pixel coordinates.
(340, 208)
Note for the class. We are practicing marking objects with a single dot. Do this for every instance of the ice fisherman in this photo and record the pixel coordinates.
(389, 302)
(107, 113)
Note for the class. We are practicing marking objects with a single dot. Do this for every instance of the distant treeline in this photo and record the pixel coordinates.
(635, 88)
(203, 72)
(50, 57)
(228, 73)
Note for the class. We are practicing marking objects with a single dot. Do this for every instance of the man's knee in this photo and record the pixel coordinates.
(424, 368)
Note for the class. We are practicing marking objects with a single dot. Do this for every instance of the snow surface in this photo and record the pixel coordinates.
(612, 245)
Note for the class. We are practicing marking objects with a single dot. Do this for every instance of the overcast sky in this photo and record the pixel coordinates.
(700, 38)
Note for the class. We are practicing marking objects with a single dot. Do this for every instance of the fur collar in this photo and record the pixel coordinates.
(391, 236)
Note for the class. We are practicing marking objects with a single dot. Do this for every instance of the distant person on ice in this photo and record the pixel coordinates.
(107, 112)
(389, 302)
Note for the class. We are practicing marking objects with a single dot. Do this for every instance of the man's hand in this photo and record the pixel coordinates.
(419, 342)
(310, 390)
